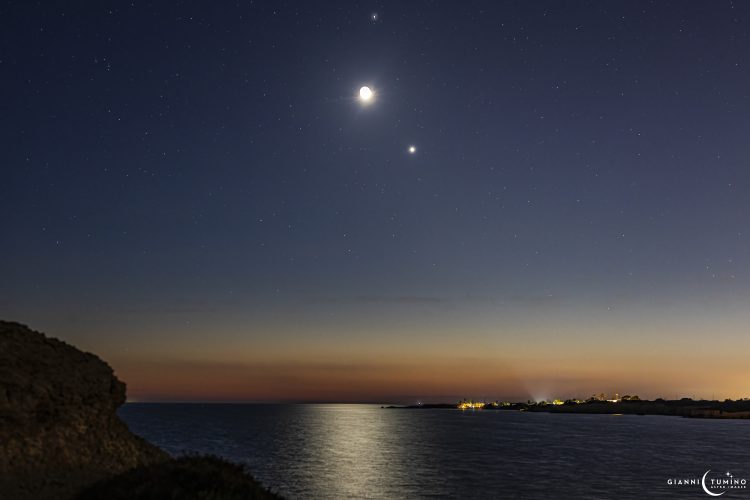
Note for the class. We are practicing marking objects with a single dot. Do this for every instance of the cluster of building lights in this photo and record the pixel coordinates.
(470, 405)
(476, 405)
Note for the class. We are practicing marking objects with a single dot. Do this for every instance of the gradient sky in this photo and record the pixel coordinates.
(193, 191)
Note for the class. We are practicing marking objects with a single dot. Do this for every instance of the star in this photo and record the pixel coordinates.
(412, 149)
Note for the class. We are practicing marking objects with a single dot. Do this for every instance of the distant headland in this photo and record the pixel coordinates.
(616, 405)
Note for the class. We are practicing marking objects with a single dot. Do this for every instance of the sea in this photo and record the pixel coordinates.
(366, 451)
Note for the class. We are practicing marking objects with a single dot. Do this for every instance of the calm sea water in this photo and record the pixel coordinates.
(363, 451)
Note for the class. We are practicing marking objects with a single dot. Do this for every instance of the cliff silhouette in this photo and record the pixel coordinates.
(60, 436)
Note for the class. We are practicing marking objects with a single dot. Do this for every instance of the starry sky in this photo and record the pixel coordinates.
(195, 192)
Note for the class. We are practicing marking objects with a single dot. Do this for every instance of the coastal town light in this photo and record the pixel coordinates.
(470, 405)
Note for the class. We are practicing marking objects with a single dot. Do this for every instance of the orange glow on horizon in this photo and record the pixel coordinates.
(438, 380)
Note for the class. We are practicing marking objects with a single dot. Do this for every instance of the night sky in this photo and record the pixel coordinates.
(195, 192)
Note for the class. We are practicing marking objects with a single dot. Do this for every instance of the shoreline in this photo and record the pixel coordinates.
(688, 408)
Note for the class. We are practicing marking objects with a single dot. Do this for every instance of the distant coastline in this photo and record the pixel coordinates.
(685, 407)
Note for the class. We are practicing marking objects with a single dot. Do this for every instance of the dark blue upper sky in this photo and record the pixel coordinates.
(175, 163)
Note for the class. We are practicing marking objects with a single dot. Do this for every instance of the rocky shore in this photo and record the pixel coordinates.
(60, 436)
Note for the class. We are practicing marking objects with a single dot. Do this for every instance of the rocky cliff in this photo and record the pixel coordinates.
(58, 426)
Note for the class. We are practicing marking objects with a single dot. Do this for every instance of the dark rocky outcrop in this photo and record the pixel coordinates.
(200, 477)
(60, 437)
(58, 426)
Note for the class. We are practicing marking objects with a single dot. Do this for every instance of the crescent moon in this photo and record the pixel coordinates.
(703, 483)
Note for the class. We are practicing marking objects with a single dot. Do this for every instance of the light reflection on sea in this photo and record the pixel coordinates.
(363, 451)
